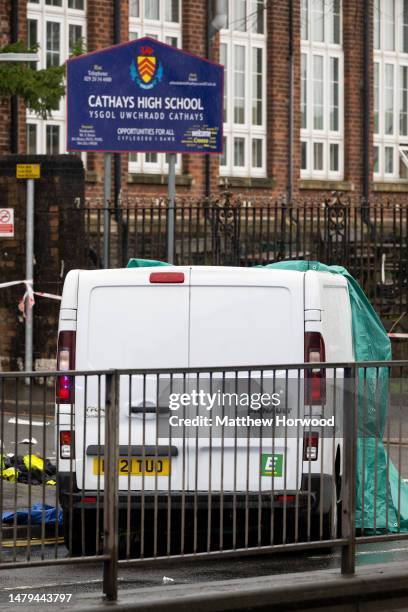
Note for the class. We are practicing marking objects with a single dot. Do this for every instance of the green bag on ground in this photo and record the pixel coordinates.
(380, 490)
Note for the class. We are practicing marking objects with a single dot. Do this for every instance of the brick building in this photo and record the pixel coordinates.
(316, 95)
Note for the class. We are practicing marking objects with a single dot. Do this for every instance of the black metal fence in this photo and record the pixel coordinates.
(370, 240)
(293, 457)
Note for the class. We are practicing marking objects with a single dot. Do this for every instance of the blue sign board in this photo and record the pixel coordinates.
(144, 96)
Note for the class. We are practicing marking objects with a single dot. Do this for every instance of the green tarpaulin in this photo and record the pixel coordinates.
(145, 263)
(380, 489)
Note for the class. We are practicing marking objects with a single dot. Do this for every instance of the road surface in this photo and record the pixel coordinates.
(79, 580)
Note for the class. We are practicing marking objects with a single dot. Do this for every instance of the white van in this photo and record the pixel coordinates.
(196, 317)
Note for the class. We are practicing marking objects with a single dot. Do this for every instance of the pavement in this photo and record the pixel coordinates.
(322, 590)
(141, 588)
(18, 495)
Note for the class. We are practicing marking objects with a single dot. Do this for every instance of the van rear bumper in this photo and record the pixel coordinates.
(177, 500)
(306, 498)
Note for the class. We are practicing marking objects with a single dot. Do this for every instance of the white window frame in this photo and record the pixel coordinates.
(383, 56)
(248, 130)
(160, 29)
(309, 134)
(42, 13)
(38, 133)
(42, 133)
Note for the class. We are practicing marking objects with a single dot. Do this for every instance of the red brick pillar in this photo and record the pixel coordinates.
(278, 93)
(5, 103)
(353, 44)
(22, 109)
(194, 20)
(101, 35)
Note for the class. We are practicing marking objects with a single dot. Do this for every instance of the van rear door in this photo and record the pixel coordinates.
(126, 321)
(241, 317)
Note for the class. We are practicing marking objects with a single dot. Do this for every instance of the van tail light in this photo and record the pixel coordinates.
(310, 446)
(67, 444)
(285, 498)
(167, 277)
(315, 378)
(65, 361)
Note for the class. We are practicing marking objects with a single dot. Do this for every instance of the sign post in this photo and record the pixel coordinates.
(144, 96)
(28, 361)
(171, 207)
(29, 172)
(107, 191)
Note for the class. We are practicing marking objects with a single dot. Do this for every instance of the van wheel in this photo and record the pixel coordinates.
(331, 520)
(328, 529)
(74, 543)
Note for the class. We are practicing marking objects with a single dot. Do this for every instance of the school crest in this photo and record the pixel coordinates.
(146, 71)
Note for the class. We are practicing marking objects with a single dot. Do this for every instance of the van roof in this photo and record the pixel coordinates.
(229, 274)
(126, 275)
(217, 270)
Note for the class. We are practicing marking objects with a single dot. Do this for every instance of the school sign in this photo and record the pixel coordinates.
(144, 96)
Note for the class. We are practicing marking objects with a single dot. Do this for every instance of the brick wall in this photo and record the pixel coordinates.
(278, 97)
(58, 247)
(100, 34)
(4, 102)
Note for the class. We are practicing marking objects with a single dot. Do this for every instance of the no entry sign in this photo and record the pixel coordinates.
(6, 222)
(144, 96)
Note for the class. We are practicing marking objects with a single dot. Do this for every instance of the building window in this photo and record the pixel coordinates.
(243, 55)
(57, 26)
(161, 20)
(52, 142)
(53, 43)
(76, 4)
(32, 38)
(31, 138)
(321, 98)
(75, 36)
(390, 90)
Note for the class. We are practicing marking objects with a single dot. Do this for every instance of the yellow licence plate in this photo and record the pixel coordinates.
(137, 466)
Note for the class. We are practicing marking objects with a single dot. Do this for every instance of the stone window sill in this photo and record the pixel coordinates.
(183, 180)
(326, 185)
(242, 181)
(390, 187)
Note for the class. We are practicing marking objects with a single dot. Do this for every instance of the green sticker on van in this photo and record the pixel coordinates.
(271, 465)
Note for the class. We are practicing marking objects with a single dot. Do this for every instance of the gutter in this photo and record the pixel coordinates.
(291, 104)
(117, 160)
(366, 105)
(208, 56)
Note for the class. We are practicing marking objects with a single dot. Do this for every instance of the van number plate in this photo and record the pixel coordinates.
(137, 466)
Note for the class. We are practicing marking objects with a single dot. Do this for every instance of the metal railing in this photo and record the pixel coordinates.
(134, 473)
(371, 240)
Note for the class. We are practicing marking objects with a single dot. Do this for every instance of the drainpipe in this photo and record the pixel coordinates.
(366, 105)
(14, 99)
(117, 166)
(207, 168)
(290, 105)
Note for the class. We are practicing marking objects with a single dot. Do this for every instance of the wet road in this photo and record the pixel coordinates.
(87, 578)
(79, 580)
